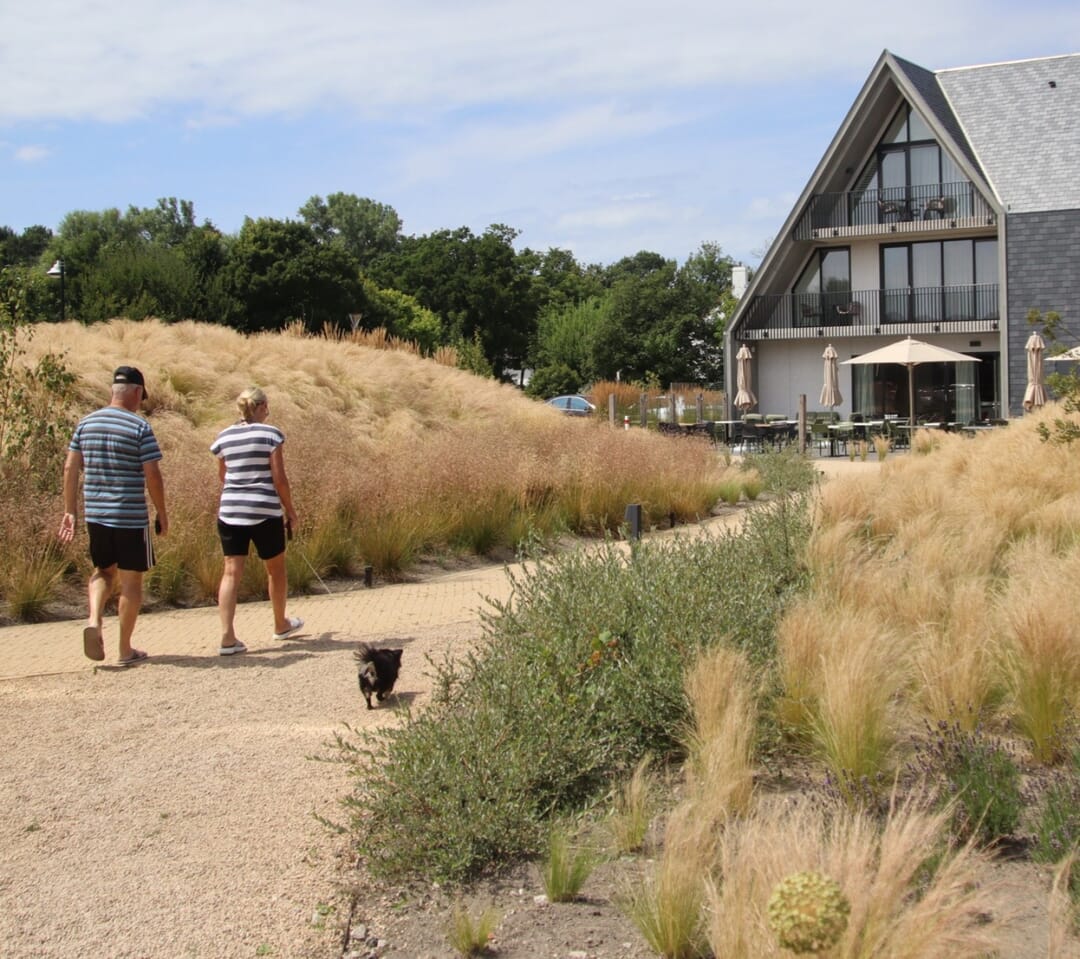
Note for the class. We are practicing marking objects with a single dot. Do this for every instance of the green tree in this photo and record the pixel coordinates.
(277, 272)
(401, 316)
(475, 284)
(558, 280)
(23, 249)
(652, 328)
(138, 281)
(364, 228)
(565, 346)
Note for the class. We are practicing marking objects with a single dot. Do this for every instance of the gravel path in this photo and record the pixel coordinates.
(168, 809)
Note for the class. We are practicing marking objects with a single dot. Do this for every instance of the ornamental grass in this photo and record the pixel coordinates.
(391, 457)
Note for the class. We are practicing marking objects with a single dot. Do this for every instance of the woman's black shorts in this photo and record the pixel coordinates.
(268, 537)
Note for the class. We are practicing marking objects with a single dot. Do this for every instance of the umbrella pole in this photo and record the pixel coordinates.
(911, 395)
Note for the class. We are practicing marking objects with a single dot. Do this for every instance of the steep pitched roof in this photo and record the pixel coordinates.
(1015, 113)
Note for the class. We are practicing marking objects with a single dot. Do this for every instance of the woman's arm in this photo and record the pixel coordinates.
(281, 484)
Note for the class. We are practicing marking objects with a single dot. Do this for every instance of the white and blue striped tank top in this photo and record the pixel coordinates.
(248, 496)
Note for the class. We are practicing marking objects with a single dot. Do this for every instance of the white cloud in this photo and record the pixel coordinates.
(86, 59)
(495, 142)
(31, 153)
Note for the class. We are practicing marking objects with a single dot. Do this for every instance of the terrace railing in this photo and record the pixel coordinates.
(866, 311)
(863, 212)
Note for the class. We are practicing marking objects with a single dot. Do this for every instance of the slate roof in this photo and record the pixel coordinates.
(1023, 131)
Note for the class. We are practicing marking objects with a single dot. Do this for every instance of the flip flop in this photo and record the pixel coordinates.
(93, 643)
(137, 656)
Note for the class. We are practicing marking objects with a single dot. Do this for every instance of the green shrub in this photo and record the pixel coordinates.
(977, 774)
(1057, 825)
(578, 676)
(784, 470)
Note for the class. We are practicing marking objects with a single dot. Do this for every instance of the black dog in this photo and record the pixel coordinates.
(378, 671)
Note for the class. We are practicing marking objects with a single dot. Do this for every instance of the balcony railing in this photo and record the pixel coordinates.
(872, 211)
(867, 311)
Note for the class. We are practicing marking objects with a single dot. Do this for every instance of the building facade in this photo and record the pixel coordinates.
(946, 208)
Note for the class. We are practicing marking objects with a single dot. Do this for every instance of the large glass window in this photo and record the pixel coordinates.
(944, 392)
(909, 177)
(935, 280)
(824, 288)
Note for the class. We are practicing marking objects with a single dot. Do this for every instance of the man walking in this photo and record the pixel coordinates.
(119, 454)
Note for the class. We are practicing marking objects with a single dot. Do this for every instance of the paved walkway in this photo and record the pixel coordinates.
(447, 600)
(385, 610)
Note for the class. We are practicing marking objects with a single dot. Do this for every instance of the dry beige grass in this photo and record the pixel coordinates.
(967, 551)
(958, 914)
(722, 691)
(390, 455)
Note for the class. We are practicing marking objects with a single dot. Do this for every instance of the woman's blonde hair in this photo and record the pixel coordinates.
(247, 401)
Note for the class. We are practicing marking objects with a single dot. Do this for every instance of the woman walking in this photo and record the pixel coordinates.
(256, 507)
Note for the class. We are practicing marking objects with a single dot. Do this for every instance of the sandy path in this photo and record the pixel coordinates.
(168, 809)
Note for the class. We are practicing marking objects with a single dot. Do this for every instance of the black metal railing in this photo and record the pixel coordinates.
(873, 308)
(930, 204)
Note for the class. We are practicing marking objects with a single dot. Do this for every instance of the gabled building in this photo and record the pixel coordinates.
(946, 207)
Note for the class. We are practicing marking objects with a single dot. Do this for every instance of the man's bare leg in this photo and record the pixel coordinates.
(130, 604)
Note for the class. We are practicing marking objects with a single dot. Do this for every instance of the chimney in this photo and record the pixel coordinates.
(738, 281)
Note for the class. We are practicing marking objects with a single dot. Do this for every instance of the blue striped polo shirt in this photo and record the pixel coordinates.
(248, 496)
(115, 444)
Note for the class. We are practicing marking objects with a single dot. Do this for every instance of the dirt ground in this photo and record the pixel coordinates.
(172, 809)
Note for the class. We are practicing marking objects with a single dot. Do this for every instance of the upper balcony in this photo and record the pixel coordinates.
(914, 312)
(911, 209)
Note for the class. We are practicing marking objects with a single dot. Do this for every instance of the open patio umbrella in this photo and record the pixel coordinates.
(830, 392)
(1035, 394)
(744, 398)
(911, 353)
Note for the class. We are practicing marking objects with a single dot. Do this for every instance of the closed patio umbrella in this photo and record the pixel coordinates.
(744, 398)
(910, 352)
(830, 392)
(1035, 394)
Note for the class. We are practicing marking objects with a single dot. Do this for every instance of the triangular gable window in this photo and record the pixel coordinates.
(909, 176)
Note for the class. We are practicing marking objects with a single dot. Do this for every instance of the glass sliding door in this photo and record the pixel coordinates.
(835, 284)
(895, 284)
(926, 279)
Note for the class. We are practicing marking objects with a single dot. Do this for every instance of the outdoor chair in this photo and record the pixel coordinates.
(888, 208)
(819, 434)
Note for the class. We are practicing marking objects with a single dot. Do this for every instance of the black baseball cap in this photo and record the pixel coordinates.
(130, 375)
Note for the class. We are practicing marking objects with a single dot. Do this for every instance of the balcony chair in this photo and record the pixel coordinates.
(940, 206)
(889, 208)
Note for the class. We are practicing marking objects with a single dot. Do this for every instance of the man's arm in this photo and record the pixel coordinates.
(155, 486)
(72, 468)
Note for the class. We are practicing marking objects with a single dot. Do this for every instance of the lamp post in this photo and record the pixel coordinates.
(57, 269)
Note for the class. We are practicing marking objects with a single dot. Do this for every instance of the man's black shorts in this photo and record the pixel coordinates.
(268, 537)
(129, 549)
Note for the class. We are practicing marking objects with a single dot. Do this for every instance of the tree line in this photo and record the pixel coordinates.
(345, 263)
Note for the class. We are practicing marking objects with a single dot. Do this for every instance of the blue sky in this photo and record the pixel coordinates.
(601, 127)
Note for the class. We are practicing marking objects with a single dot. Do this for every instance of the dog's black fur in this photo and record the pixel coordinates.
(378, 671)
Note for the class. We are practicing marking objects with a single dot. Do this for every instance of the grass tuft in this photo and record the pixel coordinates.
(565, 868)
(471, 935)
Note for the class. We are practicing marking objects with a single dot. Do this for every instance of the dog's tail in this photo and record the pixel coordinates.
(363, 653)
